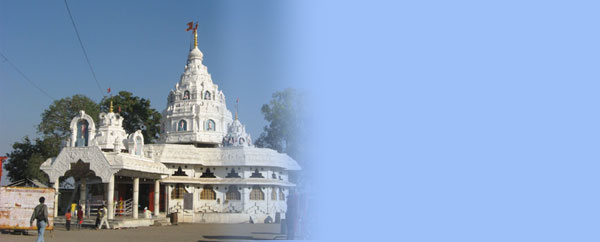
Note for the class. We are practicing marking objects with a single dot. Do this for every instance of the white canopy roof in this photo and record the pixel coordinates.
(224, 156)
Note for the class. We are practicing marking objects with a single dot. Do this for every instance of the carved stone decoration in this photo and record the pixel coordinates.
(91, 129)
(111, 132)
(256, 209)
(135, 143)
(233, 207)
(179, 172)
(208, 208)
(70, 155)
(237, 136)
(205, 105)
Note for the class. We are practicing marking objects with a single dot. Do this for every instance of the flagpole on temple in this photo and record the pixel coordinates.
(193, 27)
(110, 110)
(196, 35)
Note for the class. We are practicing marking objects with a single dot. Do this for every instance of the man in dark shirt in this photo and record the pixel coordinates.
(40, 213)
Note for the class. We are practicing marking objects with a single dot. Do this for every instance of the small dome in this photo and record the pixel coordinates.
(236, 135)
(195, 54)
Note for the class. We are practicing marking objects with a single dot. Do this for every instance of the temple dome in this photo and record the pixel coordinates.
(196, 110)
(195, 53)
(110, 134)
(236, 135)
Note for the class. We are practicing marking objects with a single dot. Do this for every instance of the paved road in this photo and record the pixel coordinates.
(181, 232)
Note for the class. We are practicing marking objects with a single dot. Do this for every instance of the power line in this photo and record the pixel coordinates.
(26, 78)
(83, 49)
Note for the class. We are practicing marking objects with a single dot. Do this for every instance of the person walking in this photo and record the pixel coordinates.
(68, 218)
(79, 217)
(40, 213)
(103, 218)
(98, 216)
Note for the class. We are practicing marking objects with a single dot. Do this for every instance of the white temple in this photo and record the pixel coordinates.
(204, 168)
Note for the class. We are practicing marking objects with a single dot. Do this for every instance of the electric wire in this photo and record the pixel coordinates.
(25, 77)
(87, 59)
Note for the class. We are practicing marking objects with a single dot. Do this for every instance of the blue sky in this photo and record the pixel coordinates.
(139, 46)
(432, 120)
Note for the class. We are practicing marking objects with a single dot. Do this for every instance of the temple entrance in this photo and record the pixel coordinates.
(162, 198)
(88, 194)
(146, 194)
(100, 180)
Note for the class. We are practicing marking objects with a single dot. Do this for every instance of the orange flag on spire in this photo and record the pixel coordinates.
(190, 26)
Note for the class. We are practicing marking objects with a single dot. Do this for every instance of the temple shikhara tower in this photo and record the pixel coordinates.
(204, 169)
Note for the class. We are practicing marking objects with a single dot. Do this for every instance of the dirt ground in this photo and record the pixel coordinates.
(175, 233)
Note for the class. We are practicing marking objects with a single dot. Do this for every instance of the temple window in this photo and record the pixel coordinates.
(233, 193)
(273, 176)
(178, 192)
(208, 193)
(208, 174)
(281, 195)
(210, 125)
(232, 174)
(257, 194)
(256, 174)
(186, 95)
(207, 95)
(82, 133)
(274, 194)
(182, 125)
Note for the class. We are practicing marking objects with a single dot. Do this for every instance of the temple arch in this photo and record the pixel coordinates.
(274, 194)
(83, 130)
(233, 193)
(182, 125)
(210, 125)
(257, 194)
(135, 143)
(208, 193)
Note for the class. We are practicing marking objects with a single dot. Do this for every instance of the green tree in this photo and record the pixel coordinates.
(26, 157)
(285, 116)
(137, 114)
(57, 118)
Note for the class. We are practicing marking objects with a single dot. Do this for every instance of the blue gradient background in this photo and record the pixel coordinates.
(442, 120)
(457, 120)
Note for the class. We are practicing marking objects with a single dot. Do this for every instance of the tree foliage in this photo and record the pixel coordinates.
(26, 157)
(137, 114)
(285, 116)
(57, 118)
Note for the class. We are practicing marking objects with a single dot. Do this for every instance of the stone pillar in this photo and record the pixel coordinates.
(156, 197)
(55, 185)
(82, 193)
(244, 198)
(110, 197)
(136, 193)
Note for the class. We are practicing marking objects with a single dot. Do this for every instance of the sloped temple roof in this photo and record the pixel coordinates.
(104, 165)
(224, 156)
